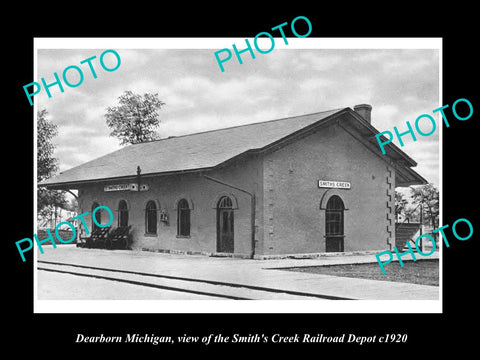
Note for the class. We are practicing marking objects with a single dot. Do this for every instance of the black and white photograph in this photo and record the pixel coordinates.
(264, 181)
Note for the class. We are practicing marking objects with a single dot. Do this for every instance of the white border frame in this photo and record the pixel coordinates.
(234, 306)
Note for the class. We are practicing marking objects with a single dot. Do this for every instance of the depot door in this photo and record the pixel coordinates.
(225, 225)
(334, 236)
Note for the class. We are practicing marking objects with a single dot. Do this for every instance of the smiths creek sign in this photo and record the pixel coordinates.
(125, 187)
(333, 184)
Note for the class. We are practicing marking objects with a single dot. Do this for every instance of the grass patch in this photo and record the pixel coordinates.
(423, 272)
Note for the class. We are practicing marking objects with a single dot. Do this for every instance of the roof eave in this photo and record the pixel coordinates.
(391, 147)
(77, 184)
(411, 178)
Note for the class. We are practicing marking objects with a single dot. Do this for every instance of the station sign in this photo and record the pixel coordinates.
(333, 184)
(125, 187)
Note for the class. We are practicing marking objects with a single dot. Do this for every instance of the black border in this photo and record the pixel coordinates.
(429, 333)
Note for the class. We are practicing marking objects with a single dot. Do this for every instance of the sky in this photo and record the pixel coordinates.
(400, 84)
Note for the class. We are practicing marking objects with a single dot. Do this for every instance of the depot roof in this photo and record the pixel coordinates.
(211, 149)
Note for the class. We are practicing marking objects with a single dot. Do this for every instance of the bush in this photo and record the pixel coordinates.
(64, 234)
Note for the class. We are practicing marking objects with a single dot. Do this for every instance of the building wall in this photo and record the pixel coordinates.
(289, 218)
(294, 222)
(202, 195)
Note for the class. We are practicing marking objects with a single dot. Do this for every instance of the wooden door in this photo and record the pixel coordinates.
(334, 233)
(225, 226)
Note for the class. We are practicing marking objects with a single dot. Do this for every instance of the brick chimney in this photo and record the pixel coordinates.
(365, 111)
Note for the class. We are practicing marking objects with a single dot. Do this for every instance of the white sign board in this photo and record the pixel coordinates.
(333, 184)
(125, 187)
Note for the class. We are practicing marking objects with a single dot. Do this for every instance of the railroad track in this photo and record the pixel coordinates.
(211, 288)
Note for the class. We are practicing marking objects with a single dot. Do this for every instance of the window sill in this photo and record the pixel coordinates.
(183, 236)
(150, 235)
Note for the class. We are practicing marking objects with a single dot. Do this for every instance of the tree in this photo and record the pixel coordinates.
(46, 131)
(47, 165)
(135, 119)
(427, 196)
(400, 204)
(411, 213)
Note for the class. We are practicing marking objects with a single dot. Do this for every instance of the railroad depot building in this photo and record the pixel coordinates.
(307, 184)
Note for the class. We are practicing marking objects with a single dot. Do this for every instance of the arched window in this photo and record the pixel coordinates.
(122, 213)
(98, 216)
(334, 224)
(183, 218)
(225, 203)
(151, 217)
